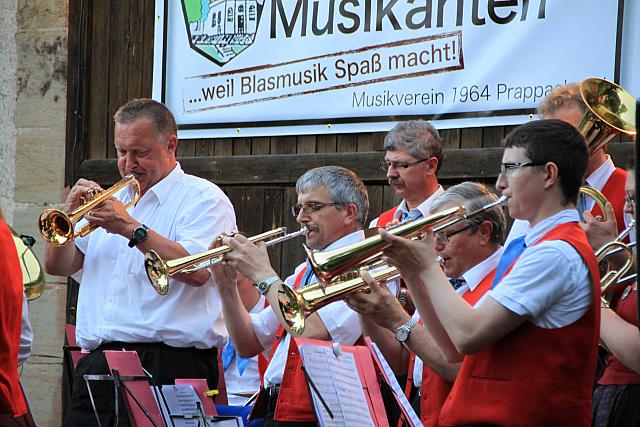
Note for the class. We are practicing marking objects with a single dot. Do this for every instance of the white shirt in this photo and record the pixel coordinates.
(116, 300)
(598, 179)
(550, 282)
(341, 322)
(26, 334)
(424, 207)
(249, 381)
(472, 277)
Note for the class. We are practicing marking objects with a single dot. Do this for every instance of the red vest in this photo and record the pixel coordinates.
(386, 217)
(435, 388)
(11, 398)
(294, 402)
(613, 190)
(616, 372)
(533, 376)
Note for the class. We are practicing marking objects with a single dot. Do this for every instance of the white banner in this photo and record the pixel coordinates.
(276, 67)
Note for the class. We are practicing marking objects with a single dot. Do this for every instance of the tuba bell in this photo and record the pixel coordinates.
(32, 274)
(610, 110)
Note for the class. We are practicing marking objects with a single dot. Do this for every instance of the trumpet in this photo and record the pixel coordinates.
(159, 271)
(613, 277)
(597, 196)
(610, 111)
(56, 226)
(296, 306)
(329, 265)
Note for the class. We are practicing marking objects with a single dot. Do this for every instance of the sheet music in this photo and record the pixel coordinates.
(395, 387)
(179, 405)
(337, 380)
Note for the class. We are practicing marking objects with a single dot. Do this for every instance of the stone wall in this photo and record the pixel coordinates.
(33, 47)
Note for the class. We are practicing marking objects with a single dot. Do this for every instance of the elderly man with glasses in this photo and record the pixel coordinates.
(412, 160)
(333, 206)
(469, 254)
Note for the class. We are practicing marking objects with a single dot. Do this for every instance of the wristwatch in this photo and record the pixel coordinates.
(264, 286)
(139, 235)
(403, 331)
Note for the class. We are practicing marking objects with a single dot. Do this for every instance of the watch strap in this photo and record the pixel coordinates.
(263, 286)
(406, 327)
(134, 238)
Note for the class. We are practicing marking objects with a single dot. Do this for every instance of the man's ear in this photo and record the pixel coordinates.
(432, 165)
(172, 144)
(552, 177)
(484, 230)
(350, 213)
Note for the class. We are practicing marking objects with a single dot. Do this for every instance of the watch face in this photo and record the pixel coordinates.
(402, 334)
(140, 233)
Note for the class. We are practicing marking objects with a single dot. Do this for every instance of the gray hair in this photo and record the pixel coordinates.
(343, 186)
(419, 138)
(473, 196)
(156, 112)
(560, 98)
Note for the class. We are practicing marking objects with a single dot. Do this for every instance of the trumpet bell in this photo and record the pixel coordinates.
(610, 110)
(157, 271)
(55, 227)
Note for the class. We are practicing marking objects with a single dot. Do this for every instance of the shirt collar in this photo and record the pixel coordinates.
(475, 274)
(354, 237)
(543, 227)
(600, 176)
(424, 207)
(162, 189)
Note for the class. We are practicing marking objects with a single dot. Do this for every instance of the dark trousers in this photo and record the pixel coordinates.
(163, 362)
(7, 420)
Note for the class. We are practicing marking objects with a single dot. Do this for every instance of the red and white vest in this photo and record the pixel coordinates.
(533, 376)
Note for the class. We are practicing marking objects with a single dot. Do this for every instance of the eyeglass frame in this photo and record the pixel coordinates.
(628, 198)
(313, 206)
(505, 167)
(443, 237)
(385, 164)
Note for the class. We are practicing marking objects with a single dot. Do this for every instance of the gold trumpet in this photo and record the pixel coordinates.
(328, 265)
(296, 306)
(56, 226)
(613, 277)
(610, 110)
(159, 271)
(597, 197)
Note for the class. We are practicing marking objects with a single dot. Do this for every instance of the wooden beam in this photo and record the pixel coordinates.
(459, 164)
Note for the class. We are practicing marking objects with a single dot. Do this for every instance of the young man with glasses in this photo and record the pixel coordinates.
(469, 253)
(412, 160)
(332, 205)
(530, 345)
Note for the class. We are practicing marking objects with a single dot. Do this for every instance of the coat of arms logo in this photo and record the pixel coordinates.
(221, 29)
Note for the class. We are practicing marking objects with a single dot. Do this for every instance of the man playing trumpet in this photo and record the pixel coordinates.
(469, 254)
(333, 206)
(175, 336)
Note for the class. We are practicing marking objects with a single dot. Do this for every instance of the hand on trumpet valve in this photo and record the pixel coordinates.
(410, 256)
(225, 277)
(600, 232)
(376, 302)
(248, 258)
(83, 191)
(112, 215)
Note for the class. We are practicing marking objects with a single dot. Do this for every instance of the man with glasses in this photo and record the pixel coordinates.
(469, 253)
(530, 345)
(412, 160)
(332, 205)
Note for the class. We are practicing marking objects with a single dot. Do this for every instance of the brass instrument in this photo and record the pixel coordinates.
(57, 226)
(297, 305)
(597, 197)
(328, 265)
(32, 273)
(613, 277)
(338, 270)
(159, 271)
(610, 110)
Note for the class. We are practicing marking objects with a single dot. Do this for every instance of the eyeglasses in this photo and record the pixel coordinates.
(629, 198)
(504, 167)
(386, 164)
(309, 207)
(443, 237)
